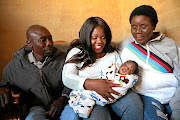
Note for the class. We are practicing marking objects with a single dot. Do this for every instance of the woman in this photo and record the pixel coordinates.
(159, 59)
(85, 60)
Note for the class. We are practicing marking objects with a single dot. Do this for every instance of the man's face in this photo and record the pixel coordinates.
(42, 43)
(142, 28)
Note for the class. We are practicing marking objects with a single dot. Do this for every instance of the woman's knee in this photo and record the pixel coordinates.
(68, 114)
(36, 113)
(153, 109)
(129, 105)
(132, 100)
(100, 113)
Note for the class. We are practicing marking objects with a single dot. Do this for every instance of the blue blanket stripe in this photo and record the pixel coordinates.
(151, 62)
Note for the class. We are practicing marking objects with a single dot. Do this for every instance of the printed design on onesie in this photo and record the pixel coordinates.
(78, 99)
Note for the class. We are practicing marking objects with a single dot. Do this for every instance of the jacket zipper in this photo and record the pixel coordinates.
(40, 72)
(148, 53)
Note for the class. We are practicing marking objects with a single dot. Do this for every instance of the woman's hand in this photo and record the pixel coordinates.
(102, 87)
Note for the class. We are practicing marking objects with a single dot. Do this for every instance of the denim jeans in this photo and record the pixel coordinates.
(129, 107)
(69, 114)
(37, 113)
(154, 110)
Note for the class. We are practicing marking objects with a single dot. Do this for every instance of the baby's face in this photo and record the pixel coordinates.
(127, 68)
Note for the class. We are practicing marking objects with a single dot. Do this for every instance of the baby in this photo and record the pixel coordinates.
(82, 101)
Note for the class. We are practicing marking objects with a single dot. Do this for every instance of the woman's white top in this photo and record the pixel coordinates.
(74, 78)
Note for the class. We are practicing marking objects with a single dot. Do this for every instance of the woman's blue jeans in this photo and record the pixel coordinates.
(129, 107)
(154, 110)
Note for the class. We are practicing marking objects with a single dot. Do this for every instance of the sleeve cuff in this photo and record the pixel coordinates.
(64, 95)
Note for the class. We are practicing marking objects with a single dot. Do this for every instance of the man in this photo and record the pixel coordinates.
(35, 73)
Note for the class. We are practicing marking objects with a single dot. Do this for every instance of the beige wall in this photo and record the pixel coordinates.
(65, 17)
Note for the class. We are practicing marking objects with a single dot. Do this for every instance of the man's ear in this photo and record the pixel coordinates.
(29, 43)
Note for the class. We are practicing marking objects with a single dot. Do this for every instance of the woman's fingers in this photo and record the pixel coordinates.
(105, 97)
(109, 95)
(111, 91)
(110, 82)
(105, 90)
(116, 93)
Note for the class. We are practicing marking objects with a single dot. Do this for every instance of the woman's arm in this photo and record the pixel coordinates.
(73, 80)
(70, 74)
(102, 87)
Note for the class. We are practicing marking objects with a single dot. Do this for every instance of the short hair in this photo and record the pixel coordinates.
(145, 10)
(33, 29)
(137, 67)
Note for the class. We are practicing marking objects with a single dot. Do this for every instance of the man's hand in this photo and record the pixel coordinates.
(16, 97)
(57, 107)
(4, 96)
